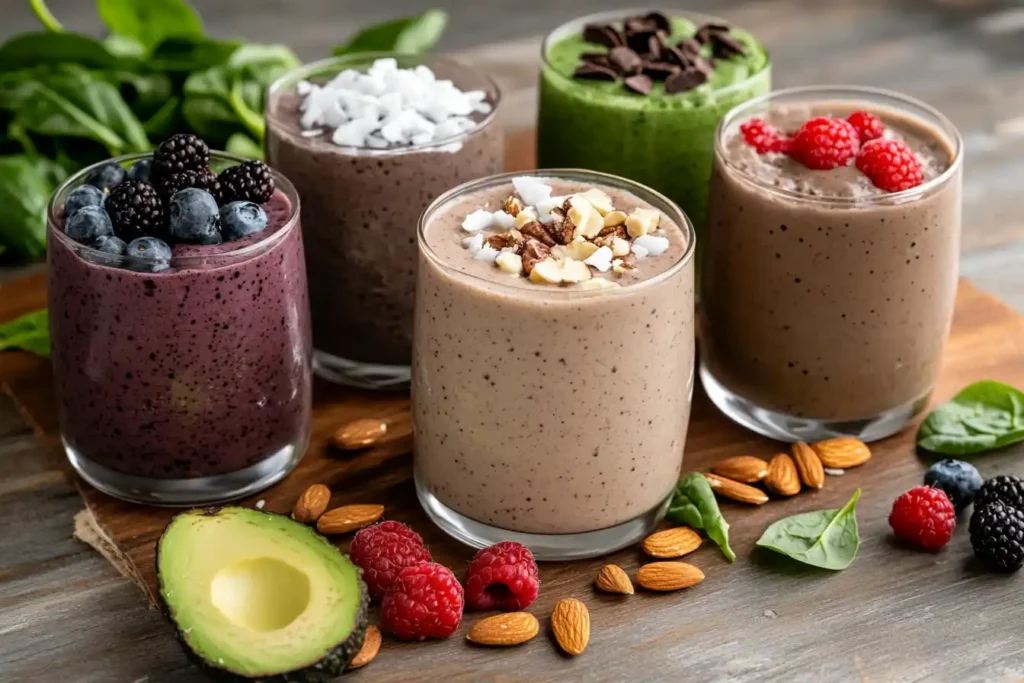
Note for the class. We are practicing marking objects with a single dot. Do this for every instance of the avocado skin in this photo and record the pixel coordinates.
(328, 668)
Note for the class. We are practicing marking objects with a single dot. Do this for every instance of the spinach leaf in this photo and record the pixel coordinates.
(26, 183)
(694, 504)
(984, 416)
(34, 49)
(149, 21)
(184, 55)
(123, 46)
(826, 538)
(30, 332)
(410, 35)
(44, 15)
(163, 122)
(245, 146)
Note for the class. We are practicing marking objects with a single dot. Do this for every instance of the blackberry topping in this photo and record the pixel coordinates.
(997, 536)
(201, 179)
(136, 210)
(248, 182)
(181, 152)
(1005, 488)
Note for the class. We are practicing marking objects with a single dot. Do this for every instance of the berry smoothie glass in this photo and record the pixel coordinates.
(192, 384)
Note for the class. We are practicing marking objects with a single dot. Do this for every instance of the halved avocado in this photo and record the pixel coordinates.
(256, 595)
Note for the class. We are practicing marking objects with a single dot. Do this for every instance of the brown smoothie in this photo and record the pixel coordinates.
(823, 296)
(550, 409)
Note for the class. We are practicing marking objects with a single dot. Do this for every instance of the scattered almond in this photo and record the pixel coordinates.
(348, 518)
(730, 488)
(743, 468)
(369, 650)
(842, 453)
(311, 504)
(359, 434)
(613, 579)
(675, 542)
(808, 464)
(782, 477)
(570, 622)
(512, 628)
(668, 576)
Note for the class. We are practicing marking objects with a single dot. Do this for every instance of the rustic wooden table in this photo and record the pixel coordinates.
(65, 614)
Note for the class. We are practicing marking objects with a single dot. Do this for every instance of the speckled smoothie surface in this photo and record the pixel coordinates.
(197, 370)
(549, 409)
(833, 301)
(360, 209)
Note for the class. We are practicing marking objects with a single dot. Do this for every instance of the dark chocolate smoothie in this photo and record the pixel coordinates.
(826, 301)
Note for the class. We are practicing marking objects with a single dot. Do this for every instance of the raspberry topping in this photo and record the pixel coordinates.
(760, 135)
(383, 550)
(923, 516)
(890, 165)
(823, 143)
(425, 601)
(868, 126)
(503, 576)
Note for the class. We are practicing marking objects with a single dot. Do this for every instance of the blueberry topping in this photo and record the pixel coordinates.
(105, 177)
(141, 170)
(148, 255)
(88, 223)
(194, 217)
(241, 219)
(83, 195)
(110, 244)
(960, 480)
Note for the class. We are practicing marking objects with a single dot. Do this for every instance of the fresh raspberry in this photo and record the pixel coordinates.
(425, 601)
(923, 516)
(868, 126)
(503, 576)
(890, 165)
(760, 135)
(383, 550)
(823, 143)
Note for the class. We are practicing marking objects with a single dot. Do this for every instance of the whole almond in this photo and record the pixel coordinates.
(570, 622)
(369, 650)
(311, 504)
(842, 453)
(348, 518)
(735, 490)
(511, 628)
(613, 579)
(668, 576)
(675, 542)
(742, 468)
(359, 434)
(782, 478)
(808, 464)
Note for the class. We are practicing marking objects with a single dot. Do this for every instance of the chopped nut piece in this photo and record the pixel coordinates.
(580, 249)
(575, 271)
(525, 216)
(547, 271)
(614, 218)
(535, 230)
(513, 205)
(561, 228)
(505, 240)
(559, 252)
(533, 251)
(642, 222)
(580, 212)
(599, 199)
(608, 235)
(510, 262)
(620, 247)
(599, 283)
(621, 267)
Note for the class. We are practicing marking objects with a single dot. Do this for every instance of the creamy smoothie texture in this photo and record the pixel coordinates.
(550, 408)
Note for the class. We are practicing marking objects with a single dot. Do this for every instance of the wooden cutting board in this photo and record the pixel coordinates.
(895, 614)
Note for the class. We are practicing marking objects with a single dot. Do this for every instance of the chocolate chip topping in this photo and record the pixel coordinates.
(625, 61)
(595, 72)
(641, 84)
(603, 34)
(659, 71)
(660, 21)
(684, 80)
(704, 33)
(640, 40)
(725, 46)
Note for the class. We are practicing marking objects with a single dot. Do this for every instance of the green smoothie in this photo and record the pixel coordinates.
(662, 140)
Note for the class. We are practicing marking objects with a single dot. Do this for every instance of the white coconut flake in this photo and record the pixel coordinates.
(833, 472)
(531, 190)
(601, 259)
(639, 251)
(474, 242)
(487, 253)
(652, 243)
(260, 503)
(478, 220)
(505, 221)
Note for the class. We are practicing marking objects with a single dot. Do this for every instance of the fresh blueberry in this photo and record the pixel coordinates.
(241, 219)
(83, 195)
(88, 223)
(148, 255)
(110, 244)
(105, 177)
(194, 217)
(141, 170)
(960, 480)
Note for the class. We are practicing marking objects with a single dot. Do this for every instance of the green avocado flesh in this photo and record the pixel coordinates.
(256, 595)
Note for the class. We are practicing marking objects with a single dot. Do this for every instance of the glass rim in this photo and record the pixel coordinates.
(608, 16)
(641, 191)
(281, 183)
(289, 79)
(852, 94)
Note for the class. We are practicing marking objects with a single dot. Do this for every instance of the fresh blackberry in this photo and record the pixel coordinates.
(1005, 488)
(248, 182)
(997, 536)
(201, 179)
(181, 152)
(136, 210)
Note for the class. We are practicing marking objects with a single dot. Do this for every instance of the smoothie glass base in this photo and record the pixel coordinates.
(189, 492)
(784, 427)
(360, 375)
(545, 547)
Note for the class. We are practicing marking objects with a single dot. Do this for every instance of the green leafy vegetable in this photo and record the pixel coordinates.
(245, 146)
(44, 15)
(30, 332)
(694, 505)
(26, 183)
(827, 538)
(35, 49)
(984, 416)
(409, 35)
(150, 21)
